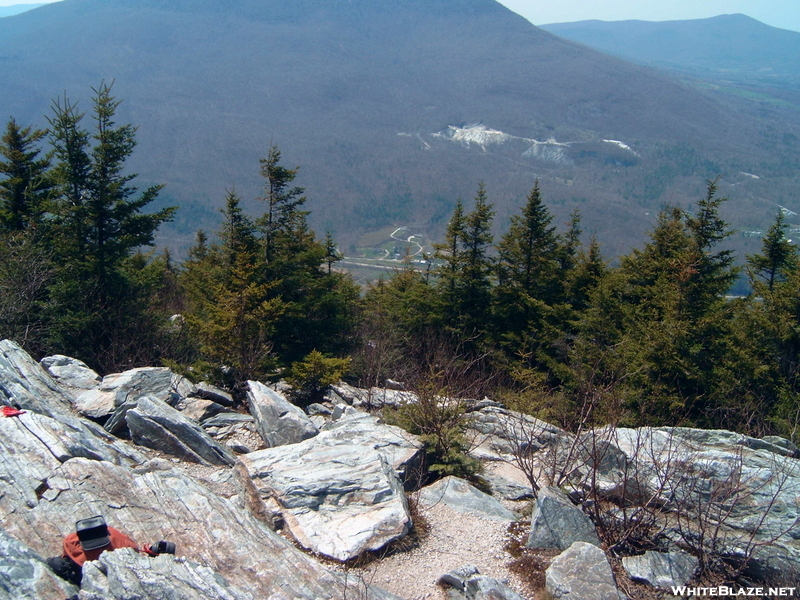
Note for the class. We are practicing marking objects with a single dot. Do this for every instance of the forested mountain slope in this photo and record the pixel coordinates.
(394, 109)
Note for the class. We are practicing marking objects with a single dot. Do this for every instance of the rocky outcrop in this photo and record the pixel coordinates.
(661, 569)
(125, 574)
(581, 572)
(748, 487)
(350, 502)
(25, 576)
(25, 384)
(55, 470)
(557, 523)
(466, 583)
(70, 372)
(129, 386)
(502, 432)
(157, 425)
(278, 421)
(354, 428)
(463, 497)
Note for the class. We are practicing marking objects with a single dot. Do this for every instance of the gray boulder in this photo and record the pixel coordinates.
(155, 424)
(278, 421)
(754, 483)
(581, 572)
(354, 428)
(200, 409)
(661, 569)
(466, 583)
(463, 497)
(557, 523)
(125, 574)
(505, 488)
(502, 432)
(25, 576)
(372, 397)
(129, 386)
(24, 383)
(211, 392)
(70, 372)
(181, 388)
(349, 502)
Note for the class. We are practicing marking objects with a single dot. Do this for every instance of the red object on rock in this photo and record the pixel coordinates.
(74, 550)
(10, 411)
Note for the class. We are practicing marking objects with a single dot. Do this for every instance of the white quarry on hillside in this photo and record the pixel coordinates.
(476, 134)
(549, 151)
(622, 145)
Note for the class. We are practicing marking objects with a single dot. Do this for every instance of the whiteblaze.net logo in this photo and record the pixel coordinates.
(723, 591)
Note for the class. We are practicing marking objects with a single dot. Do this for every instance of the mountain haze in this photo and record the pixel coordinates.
(730, 46)
(15, 9)
(393, 109)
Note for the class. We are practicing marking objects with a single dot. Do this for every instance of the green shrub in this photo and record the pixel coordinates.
(315, 373)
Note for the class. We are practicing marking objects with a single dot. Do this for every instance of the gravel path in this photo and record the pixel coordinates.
(454, 539)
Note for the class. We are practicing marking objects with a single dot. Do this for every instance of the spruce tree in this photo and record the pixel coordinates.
(678, 324)
(98, 224)
(230, 307)
(24, 184)
(778, 257)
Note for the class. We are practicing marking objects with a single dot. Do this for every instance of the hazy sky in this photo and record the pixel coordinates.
(778, 13)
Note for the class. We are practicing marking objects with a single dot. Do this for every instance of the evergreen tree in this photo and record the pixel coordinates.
(528, 282)
(317, 311)
(332, 254)
(449, 253)
(229, 305)
(283, 219)
(98, 224)
(677, 323)
(467, 269)
(23, 190)
(778, 257)
(529, 252)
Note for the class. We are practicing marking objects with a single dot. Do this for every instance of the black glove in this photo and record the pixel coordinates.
(163, 547)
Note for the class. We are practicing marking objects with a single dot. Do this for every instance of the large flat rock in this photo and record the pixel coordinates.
(755, 484)
(349, 502)
(462, 496)
(125, 574)
(401, 449)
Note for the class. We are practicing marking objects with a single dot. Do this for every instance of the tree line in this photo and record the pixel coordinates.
(537, 318)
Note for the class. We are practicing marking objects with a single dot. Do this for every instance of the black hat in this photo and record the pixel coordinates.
(93, 533)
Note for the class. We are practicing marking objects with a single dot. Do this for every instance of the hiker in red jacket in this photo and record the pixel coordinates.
(92, 537)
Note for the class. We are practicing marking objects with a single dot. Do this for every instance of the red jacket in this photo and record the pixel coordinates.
(74, 551)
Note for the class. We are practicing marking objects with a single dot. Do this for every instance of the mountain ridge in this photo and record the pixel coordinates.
(336, 85)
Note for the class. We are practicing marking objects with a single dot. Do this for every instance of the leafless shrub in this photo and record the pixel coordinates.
(717, 515)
